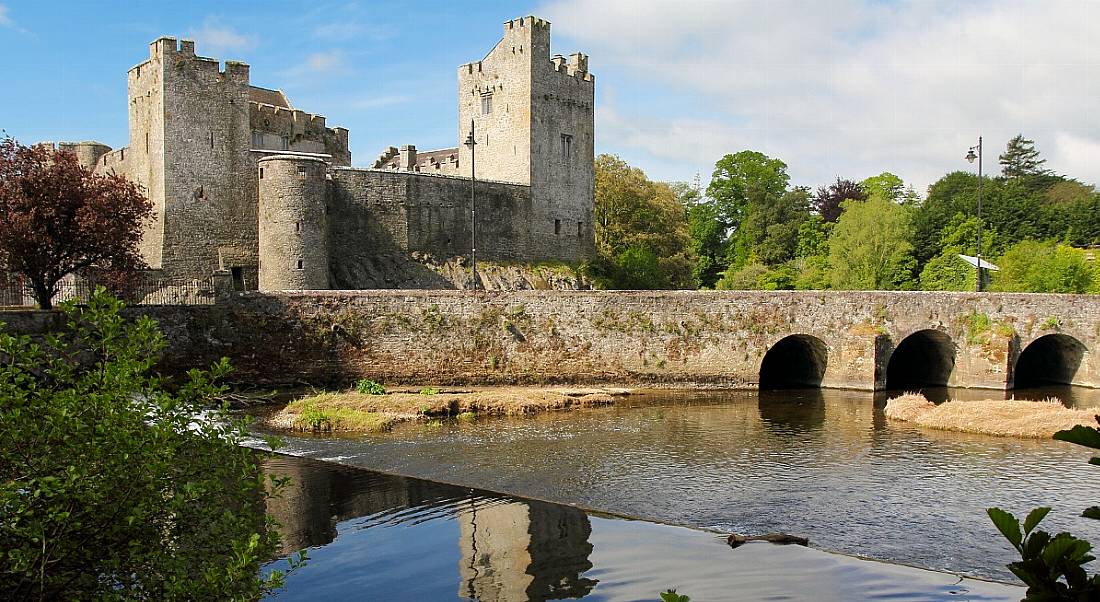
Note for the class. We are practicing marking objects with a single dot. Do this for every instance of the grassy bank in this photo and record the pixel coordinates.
(998, 417)
(353, 411)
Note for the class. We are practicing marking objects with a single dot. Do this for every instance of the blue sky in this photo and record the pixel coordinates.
(844, 88)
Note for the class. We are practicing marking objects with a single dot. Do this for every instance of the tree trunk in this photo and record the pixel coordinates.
(42, 294)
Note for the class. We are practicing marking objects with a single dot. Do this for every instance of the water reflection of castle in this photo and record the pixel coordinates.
(509, 549)
(523, 551)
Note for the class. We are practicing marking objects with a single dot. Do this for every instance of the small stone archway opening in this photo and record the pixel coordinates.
(1051, 359)
(795, 362)
(923, 359)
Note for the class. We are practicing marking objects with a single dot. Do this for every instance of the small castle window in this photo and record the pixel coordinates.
(580, 229)
(297, 226)
(261, 173)
(302, 171)
(211, 139)
(557, 226)
(300, 265)
(257, 139)
(487, 103)
(566, 147)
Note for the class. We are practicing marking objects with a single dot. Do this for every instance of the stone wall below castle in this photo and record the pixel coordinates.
(379, 219)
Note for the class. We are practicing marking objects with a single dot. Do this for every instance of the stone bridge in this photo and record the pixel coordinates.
(781, 339)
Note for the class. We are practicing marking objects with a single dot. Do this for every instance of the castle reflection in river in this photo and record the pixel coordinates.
(509, 549)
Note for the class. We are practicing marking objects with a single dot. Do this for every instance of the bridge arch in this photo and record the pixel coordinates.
(925, 358)
(797, 361)
(1051, 359)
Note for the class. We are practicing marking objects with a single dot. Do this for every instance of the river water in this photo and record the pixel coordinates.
(823, 464)
(381, 537)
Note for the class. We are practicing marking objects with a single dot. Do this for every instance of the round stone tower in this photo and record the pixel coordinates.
(87, 153)
(293, 228)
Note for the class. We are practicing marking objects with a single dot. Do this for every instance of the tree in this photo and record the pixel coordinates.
(736, 177)
(949, 272)
(1021, 159)
(57, 218)
(1032, 266)
(868, 248)
(644, 217)
(771, 225)
(885, 185)
(111, 486)
(827, 199)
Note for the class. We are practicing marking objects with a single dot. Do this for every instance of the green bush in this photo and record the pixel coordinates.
(429, 391)
(1043, 267)
(112, 487)
(369, 387)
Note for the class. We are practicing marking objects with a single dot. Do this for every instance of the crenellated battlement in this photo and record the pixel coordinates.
(300, 120)
(168, 50)
(526, 23)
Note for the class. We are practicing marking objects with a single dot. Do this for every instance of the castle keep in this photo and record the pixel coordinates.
(243, 182)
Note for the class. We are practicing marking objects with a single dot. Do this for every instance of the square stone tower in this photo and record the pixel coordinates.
(533, 118)
(190, 139)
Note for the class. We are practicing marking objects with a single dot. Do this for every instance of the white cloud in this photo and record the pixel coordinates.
(846, 87)
(317, 67)
(375, 102)
(325, 62)
(7, 22)
(215, 37)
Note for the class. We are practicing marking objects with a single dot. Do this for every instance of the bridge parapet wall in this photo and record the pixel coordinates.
(635, 338)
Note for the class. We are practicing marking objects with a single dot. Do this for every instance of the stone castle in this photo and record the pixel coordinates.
(242, 182)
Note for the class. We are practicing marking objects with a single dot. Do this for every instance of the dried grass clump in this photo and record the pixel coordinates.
(997, 417)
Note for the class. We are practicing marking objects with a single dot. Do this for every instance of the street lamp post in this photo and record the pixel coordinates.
(970, 156)
(471, 142)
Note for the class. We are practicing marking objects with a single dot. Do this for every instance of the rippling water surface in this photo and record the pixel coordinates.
(823, 464)
(378, 537)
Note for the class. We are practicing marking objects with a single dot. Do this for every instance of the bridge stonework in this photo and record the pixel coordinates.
(858, 340)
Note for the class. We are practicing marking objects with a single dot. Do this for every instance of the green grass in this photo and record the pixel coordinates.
(328, 419)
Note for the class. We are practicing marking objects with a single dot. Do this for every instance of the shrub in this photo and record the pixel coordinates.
(112, 486)
(429, 391)
(369, 387)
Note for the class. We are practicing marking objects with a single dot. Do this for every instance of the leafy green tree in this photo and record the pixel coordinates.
(708, 243)
(1032, 266)
(635, 214)
(947, 271)
(885, 185)
(1021, 159)
(826, 201)
(738, 177)
(868, 248)
(111, 486)
(769, 232)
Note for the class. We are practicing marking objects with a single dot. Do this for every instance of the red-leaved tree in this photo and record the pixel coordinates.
(57, 218)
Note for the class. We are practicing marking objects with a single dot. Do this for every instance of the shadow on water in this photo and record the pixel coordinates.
(508, 549)
(792, 411)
